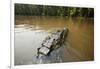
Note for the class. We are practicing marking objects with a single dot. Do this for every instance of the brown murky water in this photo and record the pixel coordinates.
(31, 30)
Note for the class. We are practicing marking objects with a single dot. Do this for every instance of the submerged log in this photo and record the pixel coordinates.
(50, 43)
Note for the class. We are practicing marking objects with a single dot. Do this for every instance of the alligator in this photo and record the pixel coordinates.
(54, 41)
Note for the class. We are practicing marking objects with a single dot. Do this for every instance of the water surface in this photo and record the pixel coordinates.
(30, 31)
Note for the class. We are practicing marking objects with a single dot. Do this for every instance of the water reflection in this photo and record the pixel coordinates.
(31, 30)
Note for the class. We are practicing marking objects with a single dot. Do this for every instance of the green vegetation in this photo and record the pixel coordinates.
(45, 10)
